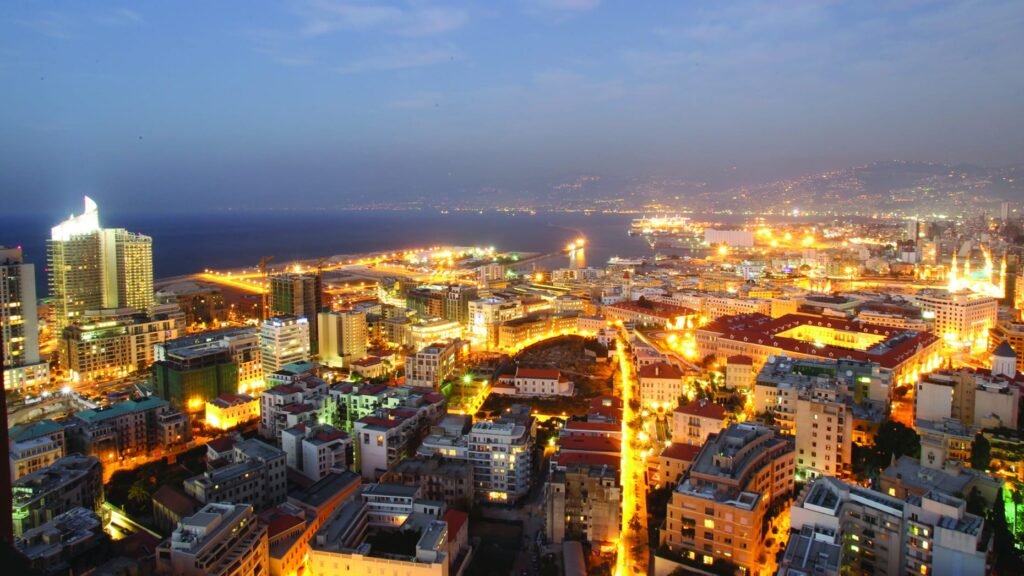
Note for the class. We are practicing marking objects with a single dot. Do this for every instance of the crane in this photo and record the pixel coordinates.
(266, 284)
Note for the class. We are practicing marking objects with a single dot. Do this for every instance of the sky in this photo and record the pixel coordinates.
(231, 104)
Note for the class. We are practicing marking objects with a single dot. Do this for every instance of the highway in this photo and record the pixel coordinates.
(633, 550)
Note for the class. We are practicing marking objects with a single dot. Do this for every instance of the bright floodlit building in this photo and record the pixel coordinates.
(221, 539)
(92, 268)
(230, 410)
(284, 340)
(19, 322)
(115, 342)
(904, 353)
(342, 337)
(962, 318)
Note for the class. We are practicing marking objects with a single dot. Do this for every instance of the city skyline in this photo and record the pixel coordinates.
(339, 101)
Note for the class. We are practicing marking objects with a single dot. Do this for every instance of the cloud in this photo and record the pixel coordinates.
(562, 5)
(120, 17)
(322, 17)
(400, 57)
(59, 25)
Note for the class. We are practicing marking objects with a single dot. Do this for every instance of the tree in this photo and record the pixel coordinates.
(894, 439)
(138, 493)
(981, 453)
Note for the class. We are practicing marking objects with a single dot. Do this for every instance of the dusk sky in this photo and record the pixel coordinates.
(309, 103)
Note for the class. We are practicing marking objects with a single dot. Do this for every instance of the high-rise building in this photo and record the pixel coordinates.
(19, 323)
(284, 340)
(92, 267)
(297, 294)
(342, 337)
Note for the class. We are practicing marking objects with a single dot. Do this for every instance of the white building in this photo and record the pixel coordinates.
(316, 451)
(500, 451)
(433, 365)
(661, 385)
(535, 382)
(284, 340)
(384, 436)
(218, 540)
(297, 402)
(486, 316)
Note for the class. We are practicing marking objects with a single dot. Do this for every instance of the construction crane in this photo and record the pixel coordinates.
(266, 284)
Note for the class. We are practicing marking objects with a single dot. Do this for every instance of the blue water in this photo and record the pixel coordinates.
(184, 243)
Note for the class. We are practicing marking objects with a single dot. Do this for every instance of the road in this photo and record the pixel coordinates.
(633, 554)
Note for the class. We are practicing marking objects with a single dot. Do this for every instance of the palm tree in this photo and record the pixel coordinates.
(138, 493)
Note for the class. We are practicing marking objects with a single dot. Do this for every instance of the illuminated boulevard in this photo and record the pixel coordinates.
(633, 548)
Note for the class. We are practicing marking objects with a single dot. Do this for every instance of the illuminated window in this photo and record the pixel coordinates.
(709, 523)
(708, 560)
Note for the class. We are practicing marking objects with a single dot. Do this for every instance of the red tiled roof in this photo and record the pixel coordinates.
(372, 390)
(588, 458)
(278, 522)
(539, 373)
(660, 370)
(740, 359)
(680, 451)
(703, 409)
(589, 444)
(378, 421)
(222, 444)
(368, 361)
(324, 436)
(433, 397)
(297, 408)
(284, 389)
(759, 329)
(456, 519)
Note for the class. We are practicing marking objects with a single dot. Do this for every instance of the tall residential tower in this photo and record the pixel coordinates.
(92, 268)
(19, 324)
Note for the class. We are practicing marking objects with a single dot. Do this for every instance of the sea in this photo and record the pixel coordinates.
(186, 243)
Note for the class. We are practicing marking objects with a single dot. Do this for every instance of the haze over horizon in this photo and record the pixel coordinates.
(320, 103)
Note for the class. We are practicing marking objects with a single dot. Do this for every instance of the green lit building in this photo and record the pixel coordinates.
(188, 378)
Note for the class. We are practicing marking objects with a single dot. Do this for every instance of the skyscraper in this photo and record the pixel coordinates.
(92, 267)
(19, 325)
(296, 294)
(283, 340)
(343, 337)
